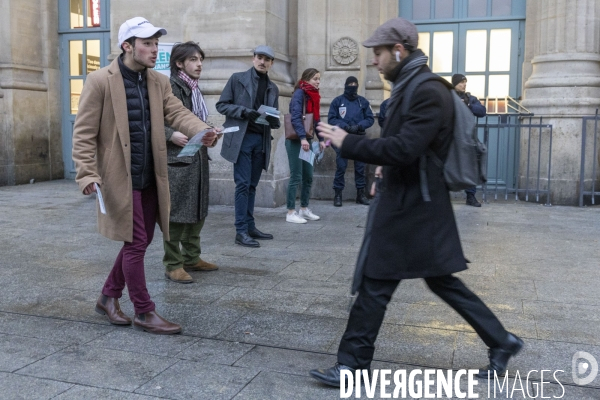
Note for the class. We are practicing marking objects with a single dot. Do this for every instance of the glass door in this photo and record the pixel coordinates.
(487, 53)
(84, 31)
(81, 54)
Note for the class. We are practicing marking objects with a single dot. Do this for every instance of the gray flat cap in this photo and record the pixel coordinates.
(265, 51)
(397, 30)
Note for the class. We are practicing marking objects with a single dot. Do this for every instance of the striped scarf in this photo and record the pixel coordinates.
(198, 104)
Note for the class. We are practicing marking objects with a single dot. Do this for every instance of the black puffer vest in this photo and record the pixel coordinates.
(138, 112)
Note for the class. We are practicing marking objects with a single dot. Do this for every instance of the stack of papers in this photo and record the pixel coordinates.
(194, 144)
(264, 111)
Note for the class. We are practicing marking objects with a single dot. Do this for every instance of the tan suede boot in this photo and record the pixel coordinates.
(179, 275)
(201, 265)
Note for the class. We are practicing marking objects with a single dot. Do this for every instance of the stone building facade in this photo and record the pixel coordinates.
(557, 73)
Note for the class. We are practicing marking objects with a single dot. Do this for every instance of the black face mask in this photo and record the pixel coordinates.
(351, 92)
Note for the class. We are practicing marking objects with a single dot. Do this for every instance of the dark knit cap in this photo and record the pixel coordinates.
(351, 79)
(458, 78)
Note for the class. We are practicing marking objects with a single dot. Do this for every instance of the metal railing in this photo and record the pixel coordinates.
(594, 156)
(514, 138)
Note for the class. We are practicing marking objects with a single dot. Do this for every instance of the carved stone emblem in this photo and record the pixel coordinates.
(345, 51)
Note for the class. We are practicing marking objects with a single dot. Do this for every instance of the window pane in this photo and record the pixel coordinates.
(477, 8)
(498, 85)
(444, 9)
(93, 13)
(476, 85)
(76, 14)
(425, 42)
(76, 86)
(501, 7)
(500, 43)
(447, 77)
(443, 51)
(92, 55)
(76, 57)
(421, 9)
(476, 51)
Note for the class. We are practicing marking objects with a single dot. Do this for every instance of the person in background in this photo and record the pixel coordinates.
(353, 114)
(188, 176)
(249, 149)
(459, 81)
(119, 146)
(305, 97)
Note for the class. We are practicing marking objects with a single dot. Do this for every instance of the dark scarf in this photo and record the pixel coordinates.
(350, 92)
(314, 99)
(405, 71)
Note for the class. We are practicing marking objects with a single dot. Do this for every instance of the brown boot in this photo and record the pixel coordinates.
(154, 323)
(179, 275)
(201, 265)
(109, 306)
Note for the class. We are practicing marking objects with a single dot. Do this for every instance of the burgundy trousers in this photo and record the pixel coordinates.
(129, 265)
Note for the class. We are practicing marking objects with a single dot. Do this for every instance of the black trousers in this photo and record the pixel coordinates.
(358, 343)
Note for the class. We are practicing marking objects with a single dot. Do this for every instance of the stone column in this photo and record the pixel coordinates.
(228, 31)
(562, 83)
(330, 34)
(30, 133)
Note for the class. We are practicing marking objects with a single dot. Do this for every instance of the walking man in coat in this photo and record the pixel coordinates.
(459, 81)
(407, 237)
(352, 113)
(119, 146)
(249, 149)
(188, 176)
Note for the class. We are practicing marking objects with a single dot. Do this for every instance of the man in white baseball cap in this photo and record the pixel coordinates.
(119, 150)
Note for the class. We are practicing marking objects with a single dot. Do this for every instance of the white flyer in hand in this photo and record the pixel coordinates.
(194, 144)
(100, 199)
(307, 156)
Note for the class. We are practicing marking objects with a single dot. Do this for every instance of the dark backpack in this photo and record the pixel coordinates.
(466, 164)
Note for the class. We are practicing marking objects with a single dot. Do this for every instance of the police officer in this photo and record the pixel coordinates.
(353, 114)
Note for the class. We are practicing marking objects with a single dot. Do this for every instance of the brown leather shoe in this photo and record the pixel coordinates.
(154, 323)
(201, 265)
(179, 275)
(109, 306)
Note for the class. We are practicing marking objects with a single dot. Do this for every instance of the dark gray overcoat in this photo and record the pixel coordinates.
(237, 96)
(411, 238)
(188, 176)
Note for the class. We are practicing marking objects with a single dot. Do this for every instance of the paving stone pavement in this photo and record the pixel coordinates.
(253, 329)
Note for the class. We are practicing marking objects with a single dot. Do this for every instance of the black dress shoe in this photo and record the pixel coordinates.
(330, 376)
(256, 234)
(243, 239)
(499, 357)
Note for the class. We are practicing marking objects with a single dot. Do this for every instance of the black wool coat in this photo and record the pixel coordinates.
(188, 176)
(411, 238)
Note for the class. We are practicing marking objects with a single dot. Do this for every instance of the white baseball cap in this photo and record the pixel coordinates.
(138, 27)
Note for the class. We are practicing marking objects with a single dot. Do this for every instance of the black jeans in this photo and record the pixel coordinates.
(358, 343)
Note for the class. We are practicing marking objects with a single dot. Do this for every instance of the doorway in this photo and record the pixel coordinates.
(84, 48)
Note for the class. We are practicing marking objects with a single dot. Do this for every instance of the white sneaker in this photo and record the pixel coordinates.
(307, 214)
(294, 218)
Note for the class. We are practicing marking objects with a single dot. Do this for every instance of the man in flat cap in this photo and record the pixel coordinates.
(407, 235)
(250, 148)
(119, 147)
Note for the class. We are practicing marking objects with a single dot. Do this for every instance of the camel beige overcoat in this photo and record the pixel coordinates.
(101, 146)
